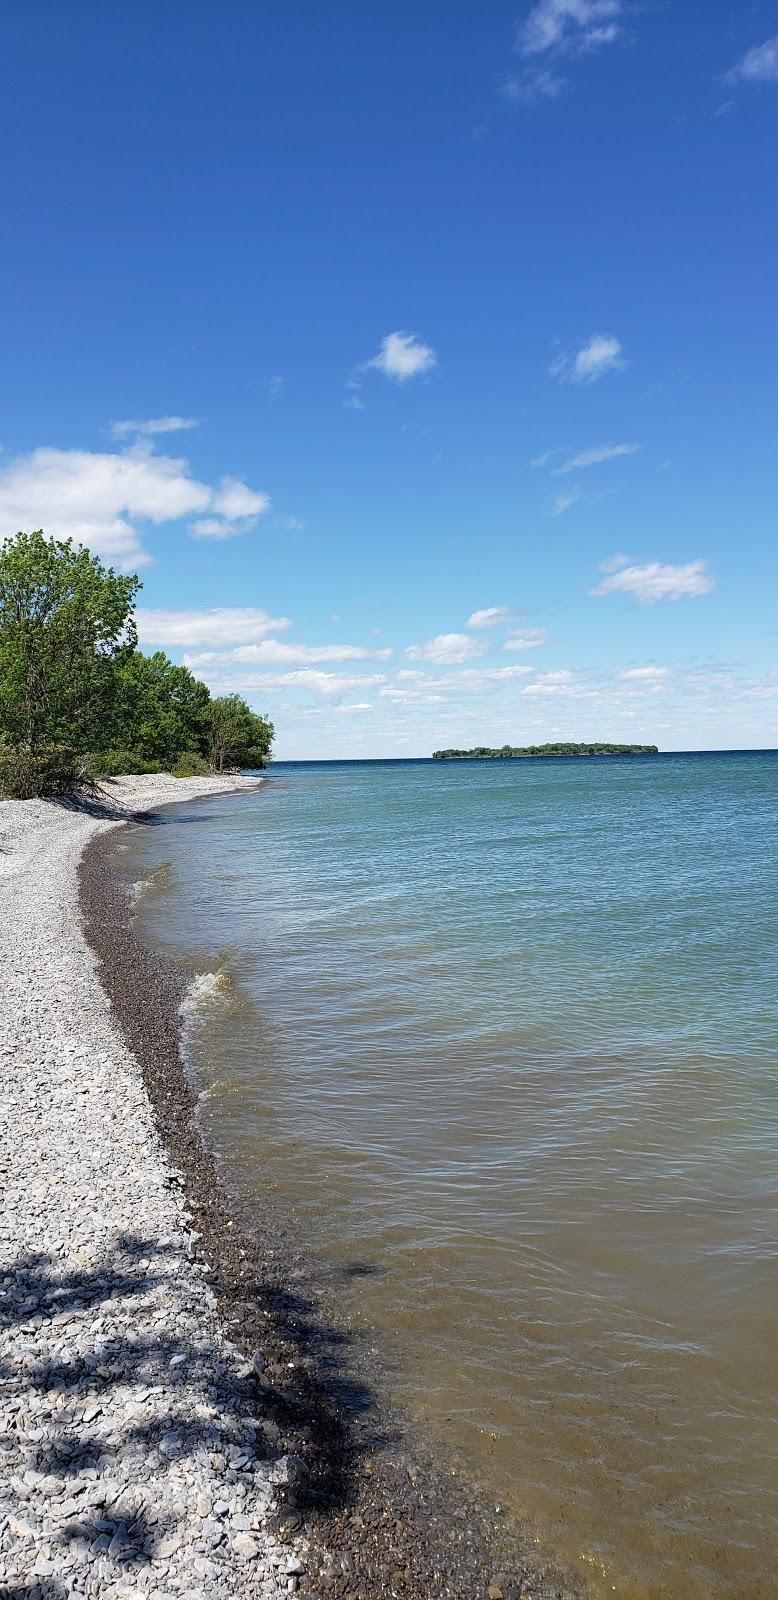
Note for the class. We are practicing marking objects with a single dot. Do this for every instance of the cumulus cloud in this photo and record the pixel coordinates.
(530, 639)
(758, 65)
(657, 581)
(98, 497)
(278, 653)
(223, 625)
(645, 674)
(402, 356)
(601, 354)
(489, 617)
(145, 430)
(447, 649)
(593, 457)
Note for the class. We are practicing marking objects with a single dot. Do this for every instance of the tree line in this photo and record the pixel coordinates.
(78, 699)
(507, 752)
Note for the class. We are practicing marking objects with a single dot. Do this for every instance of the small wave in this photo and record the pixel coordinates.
(206, 990)
(160, 880)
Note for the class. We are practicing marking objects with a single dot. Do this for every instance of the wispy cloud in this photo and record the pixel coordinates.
(490, 617)
(758, 65)
(563, 502)
(402, 356)
(222, 625)
(277, 652)
(556, 30)
(145, 430)
(657, 581)
(447, 649)
(601, 354)
(646, 675)
(530, 639)
(593, 457)
(569, 26)
(325, 685)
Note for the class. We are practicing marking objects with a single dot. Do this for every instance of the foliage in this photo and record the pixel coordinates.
(237, 737)
(482, 752)
(189, 764)
(160, 709)
(64, 619)
(25, 773)
(121, 763)
(78, 699)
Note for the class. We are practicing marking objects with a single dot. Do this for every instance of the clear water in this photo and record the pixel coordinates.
(506, 1033)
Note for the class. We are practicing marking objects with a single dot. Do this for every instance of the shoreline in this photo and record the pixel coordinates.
(359, 1507)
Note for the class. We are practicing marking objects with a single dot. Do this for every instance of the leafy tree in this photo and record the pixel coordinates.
(64, 621)
(237, 737)
(160, 709)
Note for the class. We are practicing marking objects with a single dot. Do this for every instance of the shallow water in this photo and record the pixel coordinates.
(504, 1036)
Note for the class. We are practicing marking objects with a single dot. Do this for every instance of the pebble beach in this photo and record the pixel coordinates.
(129, 1462)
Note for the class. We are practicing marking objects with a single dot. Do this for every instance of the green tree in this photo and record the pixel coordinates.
(64, 621)
(237, 737)
(160, 709)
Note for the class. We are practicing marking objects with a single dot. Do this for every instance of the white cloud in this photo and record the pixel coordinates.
(402, 356)
(563, 502)
(97, 497)
(328, 685)
(600, 354)
(542, 461)
(489, 617)
(447, 649)
(224, 625)
(275, 652)
(535, 83)
(569, 26)
(562, 682)
(758, 65)
(145, 430)
(353, 402)
(657, 581)
(473, 680)
(235, 499)
(354, 705)
(593, 457)
(645, 674)
(530, 639)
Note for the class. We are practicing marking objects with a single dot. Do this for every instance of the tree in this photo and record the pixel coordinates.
(64, 621)
(237, 737)
(160, 709)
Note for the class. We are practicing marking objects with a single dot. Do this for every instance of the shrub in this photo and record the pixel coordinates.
(121, 764)
(190, 765)
(25, 773)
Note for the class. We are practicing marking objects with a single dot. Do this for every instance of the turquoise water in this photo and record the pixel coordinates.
(502, 1037)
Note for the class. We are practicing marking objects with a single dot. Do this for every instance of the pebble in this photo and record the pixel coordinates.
(127, 1465)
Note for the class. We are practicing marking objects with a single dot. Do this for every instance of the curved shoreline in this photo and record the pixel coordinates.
(382, 1517)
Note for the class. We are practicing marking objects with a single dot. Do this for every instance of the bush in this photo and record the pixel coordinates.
(25, 774)
(121, 764)
(190, 765)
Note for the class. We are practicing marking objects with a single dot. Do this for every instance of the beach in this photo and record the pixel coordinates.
(170, 1423)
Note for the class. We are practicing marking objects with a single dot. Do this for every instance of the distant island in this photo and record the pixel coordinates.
(481, 752)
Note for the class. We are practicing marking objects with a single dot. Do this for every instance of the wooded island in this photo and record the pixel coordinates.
(481, 752)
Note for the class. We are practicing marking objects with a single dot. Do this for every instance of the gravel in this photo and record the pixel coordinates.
(130, 1460)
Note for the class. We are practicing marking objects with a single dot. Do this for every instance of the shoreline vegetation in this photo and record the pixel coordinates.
(509, 752)
(80, 701)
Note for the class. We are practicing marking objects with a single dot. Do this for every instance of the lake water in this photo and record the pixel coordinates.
(501, 1038)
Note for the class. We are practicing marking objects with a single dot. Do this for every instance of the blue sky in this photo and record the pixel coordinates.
(348, 323)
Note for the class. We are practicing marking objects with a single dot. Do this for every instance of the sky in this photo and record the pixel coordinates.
(419, 356)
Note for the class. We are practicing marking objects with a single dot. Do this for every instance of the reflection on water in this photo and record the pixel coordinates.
(503, 1036)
